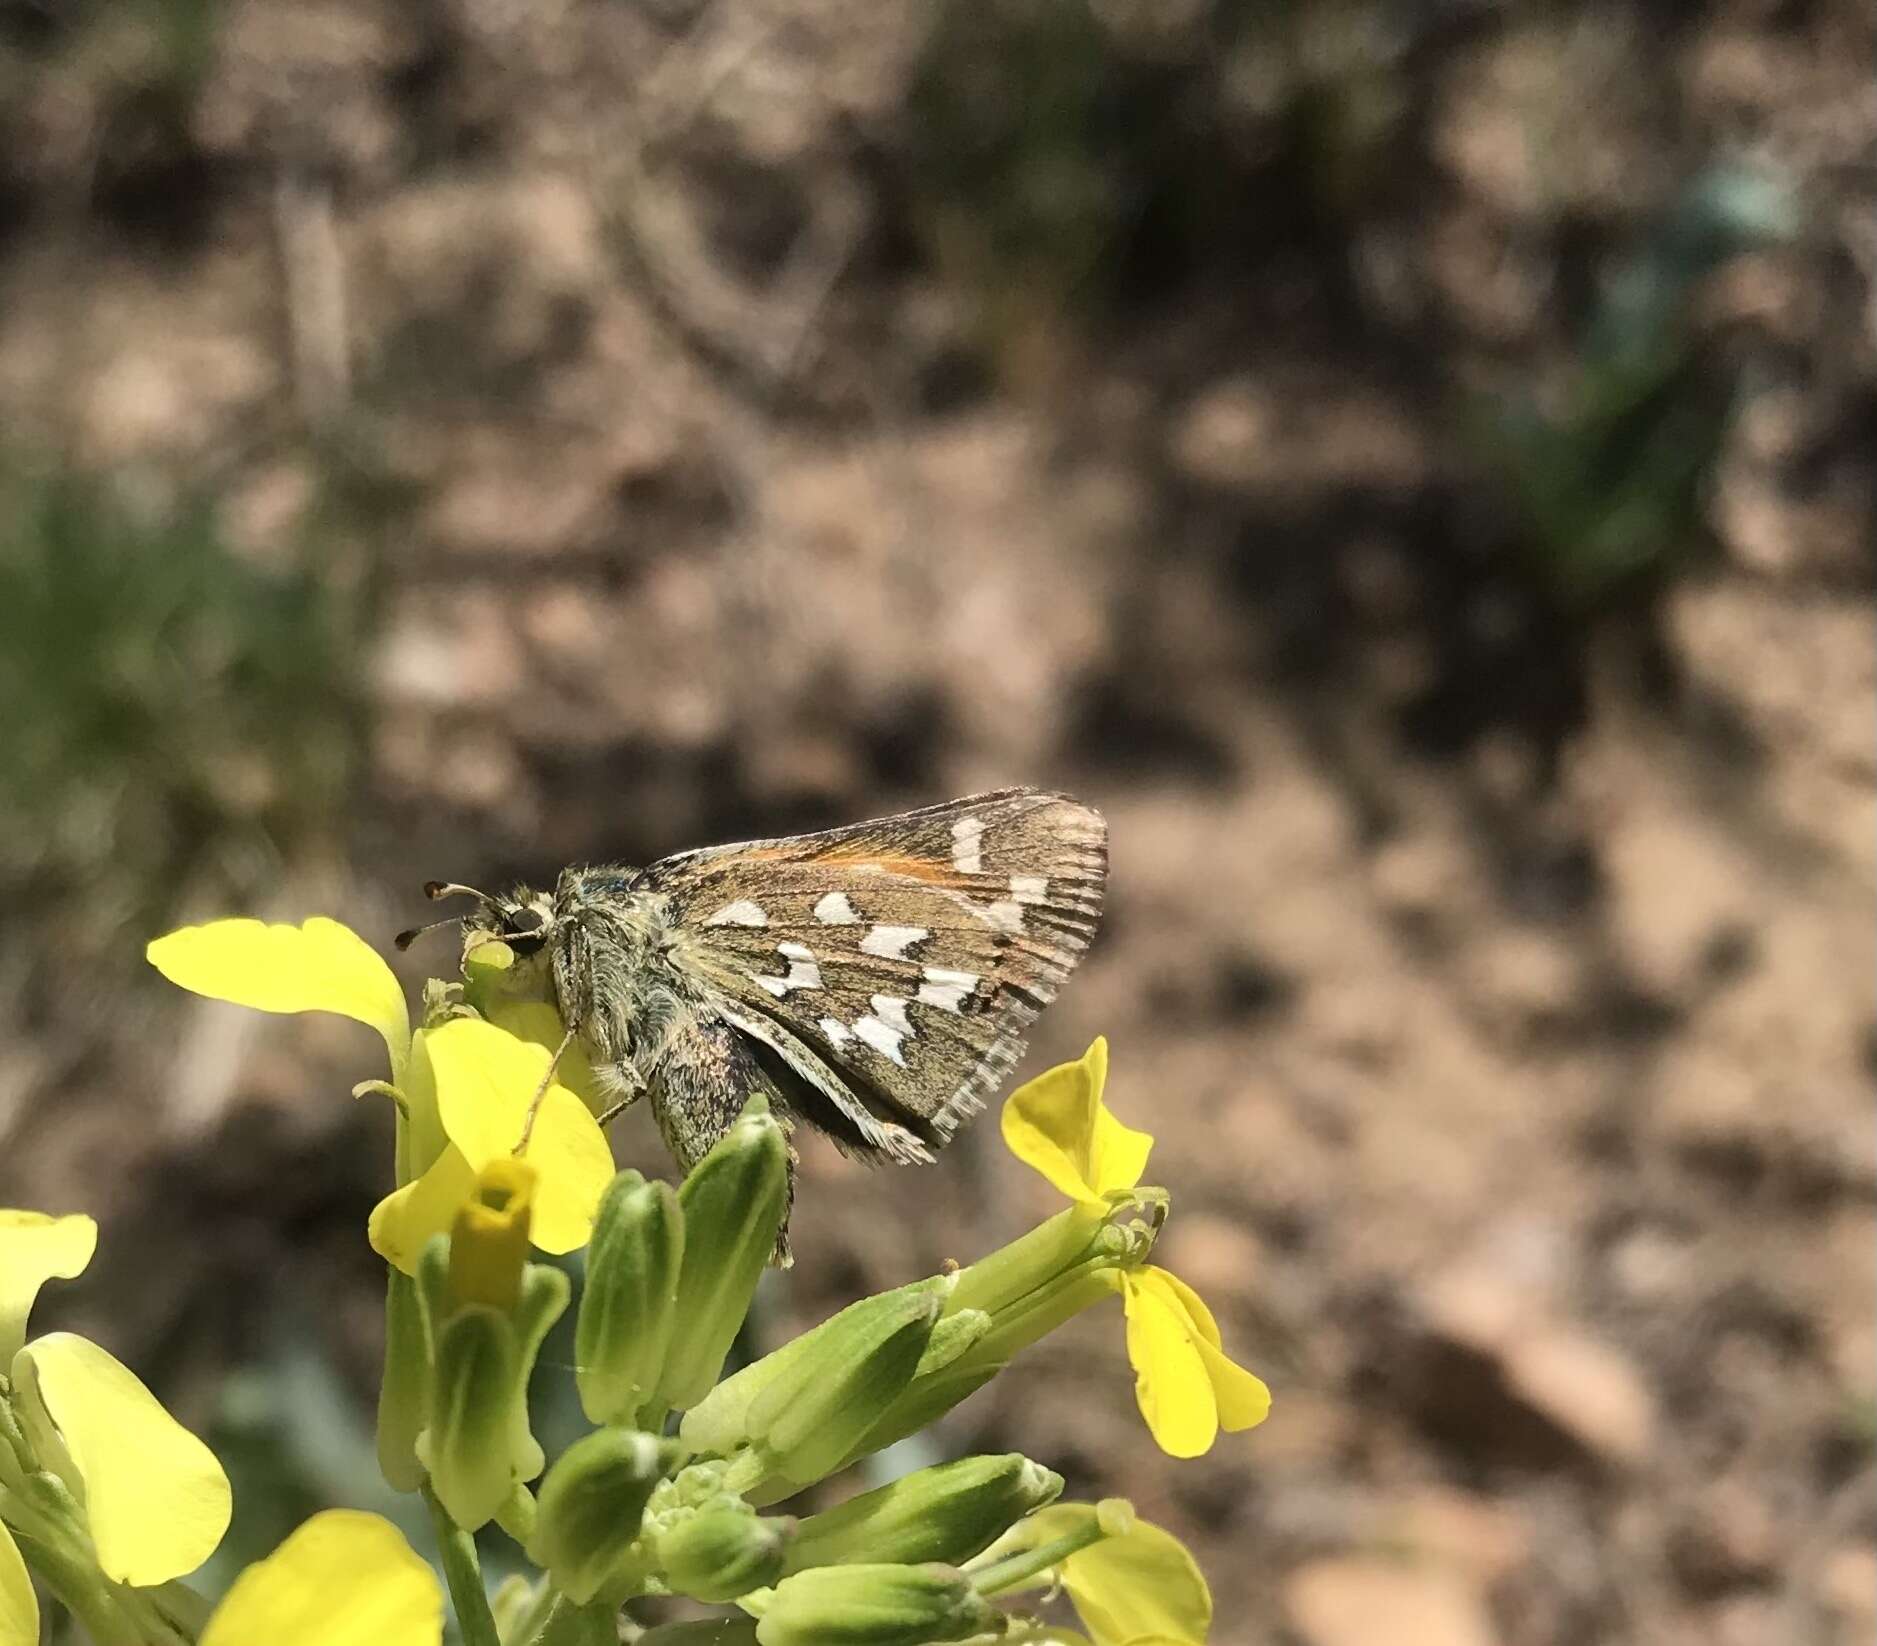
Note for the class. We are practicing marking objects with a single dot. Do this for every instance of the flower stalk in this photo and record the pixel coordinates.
(462, 1571)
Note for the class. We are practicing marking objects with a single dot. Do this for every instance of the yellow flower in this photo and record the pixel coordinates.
(484, 1080)
(1059, 1125)
(1187, 1386)
(343, 1579)
(463, 1088)
(1140, 1585)
(155, 1500)
(1134, 1586)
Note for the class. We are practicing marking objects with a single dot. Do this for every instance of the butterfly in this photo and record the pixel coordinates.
(875, 981)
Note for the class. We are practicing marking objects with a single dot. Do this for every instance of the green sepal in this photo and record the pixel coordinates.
(465, 1442)
(873, 1605)
(476, 1444)
(1004, 1277)
(808, 1418)
(948, 1512)
(720, 1422)
(404, 1386)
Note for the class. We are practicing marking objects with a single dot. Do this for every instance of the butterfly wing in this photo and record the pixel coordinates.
(890, 967)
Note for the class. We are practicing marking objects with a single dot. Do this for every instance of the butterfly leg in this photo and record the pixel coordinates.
(623, 1083)
(540, 1092)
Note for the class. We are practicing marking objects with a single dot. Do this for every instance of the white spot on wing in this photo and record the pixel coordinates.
(892, 942)
(740, 913)
(835, 1030)
(891, 1010)
(835, 910)
(967, 845)
(1029, 888)
(803, 972)
(1006, 914)
(946, 989)
(882, 1037)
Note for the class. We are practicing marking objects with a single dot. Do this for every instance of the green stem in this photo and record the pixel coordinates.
(1015, 1570)
(463, 1572)
(89, 1595)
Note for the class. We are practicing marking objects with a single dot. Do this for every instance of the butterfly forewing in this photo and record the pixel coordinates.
(893, 965)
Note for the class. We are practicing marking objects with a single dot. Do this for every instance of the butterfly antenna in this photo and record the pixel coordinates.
(405, 939)
(435, 889)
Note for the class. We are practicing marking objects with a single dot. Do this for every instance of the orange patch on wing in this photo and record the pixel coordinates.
(859, 854)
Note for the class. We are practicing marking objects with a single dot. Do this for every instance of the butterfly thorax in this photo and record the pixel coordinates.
(618, 976)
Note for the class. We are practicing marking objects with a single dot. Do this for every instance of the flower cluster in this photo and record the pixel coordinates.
(676, 1488)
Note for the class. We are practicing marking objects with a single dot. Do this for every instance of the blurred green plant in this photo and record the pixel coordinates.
(180, 720)
(1606, 481)
(1064, 154)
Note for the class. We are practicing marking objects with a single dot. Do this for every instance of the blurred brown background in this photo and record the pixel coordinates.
(1411, 465)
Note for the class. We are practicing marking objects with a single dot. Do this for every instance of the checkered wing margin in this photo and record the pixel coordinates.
(885, 972)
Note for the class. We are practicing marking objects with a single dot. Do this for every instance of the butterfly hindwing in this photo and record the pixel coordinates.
(891, 967)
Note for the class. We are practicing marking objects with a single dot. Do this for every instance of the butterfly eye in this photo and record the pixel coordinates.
(524, 928)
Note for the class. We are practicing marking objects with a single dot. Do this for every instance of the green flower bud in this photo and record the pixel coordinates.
(476, 1443)
(823, 1403)
(591, 1504)
(949, 1512)
(873, 1605)
(626, 1311)
(722, 1553)
(695, 1488)
(734, 1203)
(721, 1421)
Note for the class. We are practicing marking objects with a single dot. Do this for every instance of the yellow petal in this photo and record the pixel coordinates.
(403, 1222)
(35, 1248)
(539, 1022)
(1171, 1382)
(343, 1579)
(1243, 1399)
(156, 1499)
(1143, 1583)
(486, 1079)
(320, 966)
(19, 1606)
(1058, 1125)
